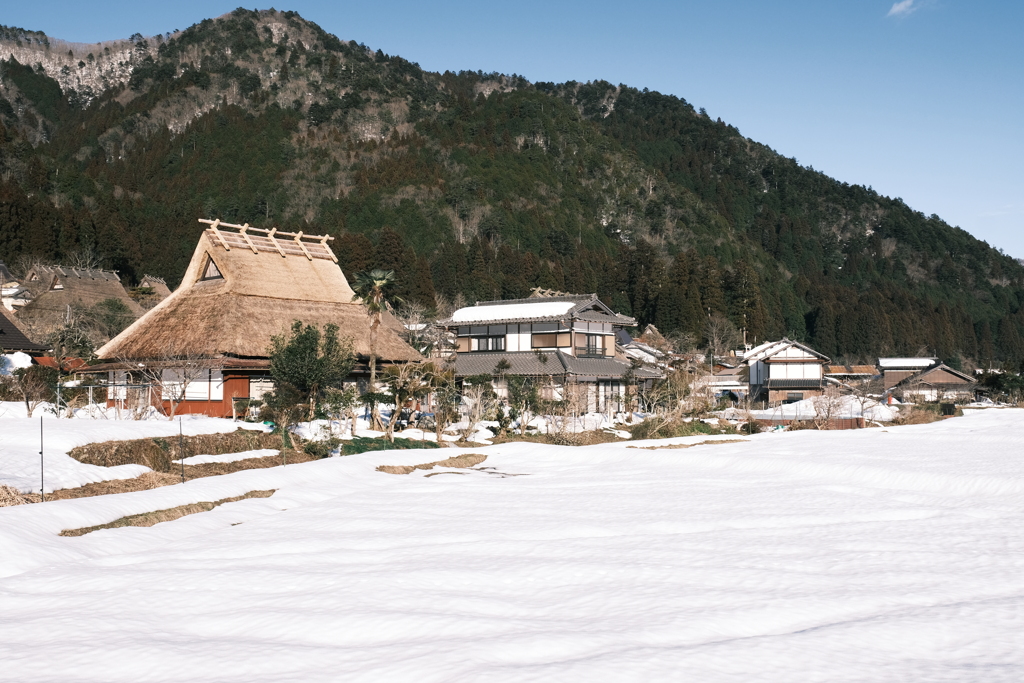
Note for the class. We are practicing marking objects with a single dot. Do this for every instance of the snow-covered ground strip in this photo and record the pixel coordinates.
(844, 407)
(870, 555)
(19, 446)
(229, 457)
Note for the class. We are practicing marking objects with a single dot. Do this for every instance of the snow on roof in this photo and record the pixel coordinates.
(906, 362)
(541, 309)
(769, 349)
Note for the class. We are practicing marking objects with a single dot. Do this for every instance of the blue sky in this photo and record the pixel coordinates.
(920, 99)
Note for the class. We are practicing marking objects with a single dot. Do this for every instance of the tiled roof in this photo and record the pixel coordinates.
(938, 372)
(13, 339)
(795, 383)
(542, 364)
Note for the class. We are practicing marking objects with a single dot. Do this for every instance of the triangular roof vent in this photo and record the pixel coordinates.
(211, 272)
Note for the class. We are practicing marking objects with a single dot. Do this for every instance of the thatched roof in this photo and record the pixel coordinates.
(55, 288)
(240, 290)
(151, 291)
(157, 284)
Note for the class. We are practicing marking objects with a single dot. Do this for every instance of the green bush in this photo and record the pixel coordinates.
(362, 445)
(321, 449)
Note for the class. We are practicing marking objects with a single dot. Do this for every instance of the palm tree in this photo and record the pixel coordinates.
(369, 287)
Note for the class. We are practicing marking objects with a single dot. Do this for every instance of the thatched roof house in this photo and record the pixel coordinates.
(55, 288)
(151, 291)
(243, 287)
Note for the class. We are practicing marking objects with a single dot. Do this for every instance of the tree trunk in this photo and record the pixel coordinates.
(375, 422)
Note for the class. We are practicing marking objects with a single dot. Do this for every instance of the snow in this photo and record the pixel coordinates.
(19, 445)
(869, 555)
(845, 407)
(906, 362)
(541, 309)
(13, 361)
(229, 457)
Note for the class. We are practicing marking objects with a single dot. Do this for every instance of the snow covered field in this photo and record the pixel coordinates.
(872, 555)
(19, 445)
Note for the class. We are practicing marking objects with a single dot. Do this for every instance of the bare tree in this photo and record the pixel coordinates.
(565, 414)
(421, 330)
(405, 382)
(445, 396)
(682, 342)
(479, 400)
(446, 307)
(341, 403)
(172, 372)
(866, 394)
(827, 407)
(85, 258)
(32, 385)
(720, 334)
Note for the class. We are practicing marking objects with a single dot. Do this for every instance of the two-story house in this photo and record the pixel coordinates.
(784, 371)
(559, 339)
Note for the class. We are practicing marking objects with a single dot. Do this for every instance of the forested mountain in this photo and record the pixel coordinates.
(472, 183)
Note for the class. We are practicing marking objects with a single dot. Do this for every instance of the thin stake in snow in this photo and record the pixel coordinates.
(42, 471)
(181, 452)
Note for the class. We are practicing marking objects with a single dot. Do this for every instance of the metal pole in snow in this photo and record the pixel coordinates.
(42, 472)
(181, 452)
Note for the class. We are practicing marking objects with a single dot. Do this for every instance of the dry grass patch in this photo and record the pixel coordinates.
(588, 438)
(159, 453)
(152, 480)
(709, 442)
(464, 461)
(168, 515)
(10, 496)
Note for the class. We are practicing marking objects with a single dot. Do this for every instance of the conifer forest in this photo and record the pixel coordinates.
(476, 184)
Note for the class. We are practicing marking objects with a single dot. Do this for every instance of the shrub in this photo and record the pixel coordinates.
(363, 444)
(650, 429)
(321, 449)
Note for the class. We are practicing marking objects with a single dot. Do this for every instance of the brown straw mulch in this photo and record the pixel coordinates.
(464, 461)
(169, 515)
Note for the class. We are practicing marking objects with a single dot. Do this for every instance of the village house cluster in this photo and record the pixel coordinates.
(786, 371)
(245, 285)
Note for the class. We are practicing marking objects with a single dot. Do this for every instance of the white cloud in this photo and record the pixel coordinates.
(901, 8)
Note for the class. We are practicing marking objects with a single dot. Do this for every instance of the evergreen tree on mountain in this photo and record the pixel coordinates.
(483, 185)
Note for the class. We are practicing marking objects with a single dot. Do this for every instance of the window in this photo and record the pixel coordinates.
(211, 271)
(794, 396)
(490, 343)
(545, 341)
